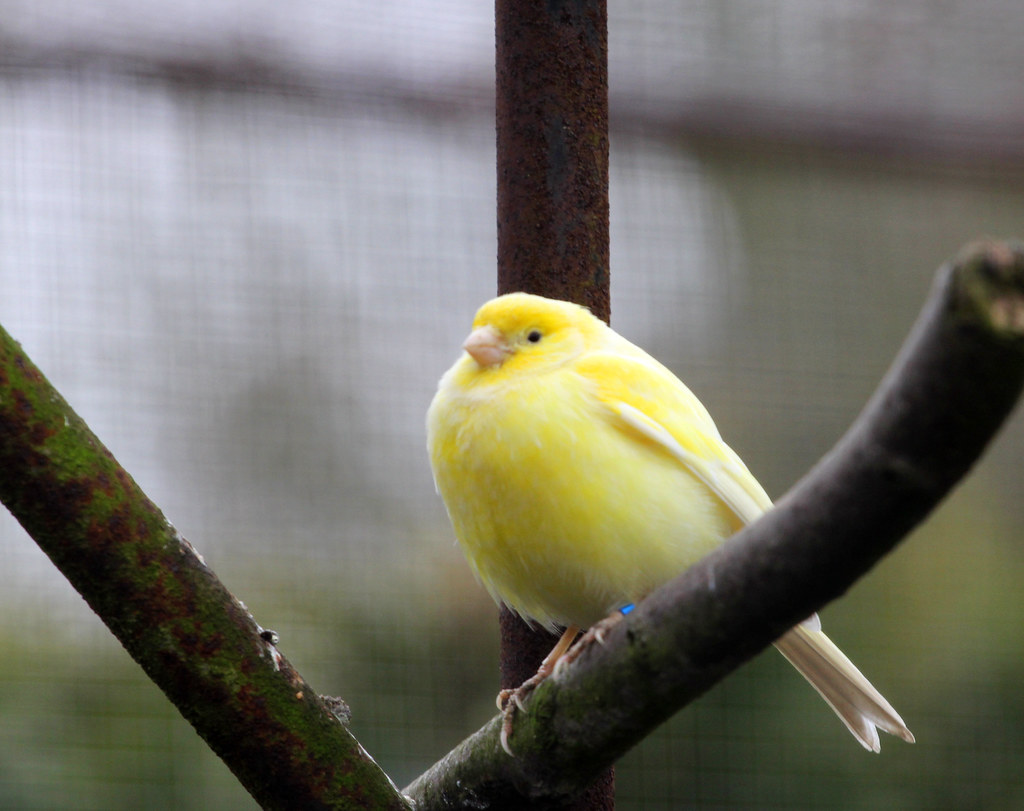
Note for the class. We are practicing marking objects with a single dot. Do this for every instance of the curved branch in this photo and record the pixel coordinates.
(953, 384)
(200, 645)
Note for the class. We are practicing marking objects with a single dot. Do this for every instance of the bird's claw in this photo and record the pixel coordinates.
(511, 699)
(514, 696)
(508, 702)
(506, 727)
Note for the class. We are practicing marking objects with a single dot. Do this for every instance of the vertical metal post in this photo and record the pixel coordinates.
(552, 126)
(552, 130)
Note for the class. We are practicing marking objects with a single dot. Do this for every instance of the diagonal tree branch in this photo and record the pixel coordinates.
(200, 645)
(955, 381)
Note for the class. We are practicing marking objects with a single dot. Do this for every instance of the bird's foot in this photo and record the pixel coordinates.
(510, 700)
(596, 633)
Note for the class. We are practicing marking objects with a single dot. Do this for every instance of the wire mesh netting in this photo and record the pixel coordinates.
(244, 242)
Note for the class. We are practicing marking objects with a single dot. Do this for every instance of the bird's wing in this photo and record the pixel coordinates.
(643, 395)
(646, 397)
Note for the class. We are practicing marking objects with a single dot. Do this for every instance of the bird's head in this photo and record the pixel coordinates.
(519, 332)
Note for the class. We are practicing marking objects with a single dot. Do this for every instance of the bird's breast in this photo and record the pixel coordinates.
(564, 515)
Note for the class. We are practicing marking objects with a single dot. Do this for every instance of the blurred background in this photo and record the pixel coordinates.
(245, 238)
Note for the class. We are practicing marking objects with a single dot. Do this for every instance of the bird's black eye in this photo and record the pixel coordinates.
(533, 336)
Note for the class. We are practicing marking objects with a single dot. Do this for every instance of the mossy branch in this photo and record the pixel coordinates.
(955, 381)
(149, 585)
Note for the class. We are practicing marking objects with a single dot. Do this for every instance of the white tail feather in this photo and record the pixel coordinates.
(860, 706)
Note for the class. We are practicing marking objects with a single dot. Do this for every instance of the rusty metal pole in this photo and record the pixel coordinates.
(552, 128)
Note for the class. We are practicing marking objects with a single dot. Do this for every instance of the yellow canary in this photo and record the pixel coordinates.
(580, 474)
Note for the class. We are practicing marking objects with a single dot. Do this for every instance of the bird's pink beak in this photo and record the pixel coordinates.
(487, 346)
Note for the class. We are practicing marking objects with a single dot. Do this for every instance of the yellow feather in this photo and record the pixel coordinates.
(580, 474)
